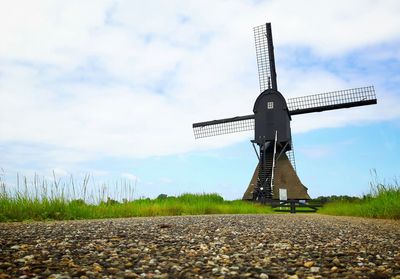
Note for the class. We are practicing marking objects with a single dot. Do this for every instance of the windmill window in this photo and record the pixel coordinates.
(270, 105)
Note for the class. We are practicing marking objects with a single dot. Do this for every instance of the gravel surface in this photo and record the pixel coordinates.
(216, 246)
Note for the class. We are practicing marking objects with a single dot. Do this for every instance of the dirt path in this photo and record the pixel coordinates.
(230, 246)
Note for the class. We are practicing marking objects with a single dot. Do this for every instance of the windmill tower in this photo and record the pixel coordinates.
(275, 176)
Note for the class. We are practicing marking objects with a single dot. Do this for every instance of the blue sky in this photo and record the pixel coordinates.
(111, 88)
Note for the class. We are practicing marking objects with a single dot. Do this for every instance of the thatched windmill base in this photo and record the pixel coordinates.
(285, 178)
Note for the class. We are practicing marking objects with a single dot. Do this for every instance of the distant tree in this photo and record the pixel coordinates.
(325, 199)
(110, 201)
(367, 197)
(162, 196)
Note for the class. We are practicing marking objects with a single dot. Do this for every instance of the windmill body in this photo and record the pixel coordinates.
(273, 136)
(271, 115)
(275, 174)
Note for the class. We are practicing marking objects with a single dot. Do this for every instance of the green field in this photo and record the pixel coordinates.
(41, 200)
(22, 208)
(383, 201)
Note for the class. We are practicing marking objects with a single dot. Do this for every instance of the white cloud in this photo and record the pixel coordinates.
(129, 176)
(335, 27)
(126, 78)
(59, 172)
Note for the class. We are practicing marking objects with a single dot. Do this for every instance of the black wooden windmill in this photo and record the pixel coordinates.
(275, 176)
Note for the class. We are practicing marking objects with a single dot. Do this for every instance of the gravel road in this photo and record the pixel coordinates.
(216, 246)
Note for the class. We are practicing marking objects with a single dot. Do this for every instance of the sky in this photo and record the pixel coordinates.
(110, 89)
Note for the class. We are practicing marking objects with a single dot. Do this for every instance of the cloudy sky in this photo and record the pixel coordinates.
(111, 89)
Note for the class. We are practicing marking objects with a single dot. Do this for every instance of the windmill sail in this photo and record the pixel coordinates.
(223, 126)
(332, 100)
(290, 155)
(265, 57)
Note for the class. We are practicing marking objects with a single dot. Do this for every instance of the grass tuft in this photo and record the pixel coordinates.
(23, 206)
(383, 201)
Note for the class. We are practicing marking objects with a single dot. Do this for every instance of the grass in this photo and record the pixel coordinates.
(383, 201)
(57, 200)
(41, 200)
(23, 208)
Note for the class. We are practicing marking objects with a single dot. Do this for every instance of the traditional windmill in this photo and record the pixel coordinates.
(275, 176)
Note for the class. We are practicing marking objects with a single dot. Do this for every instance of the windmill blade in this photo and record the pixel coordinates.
(223, 126)
(332, 100)
(265, 57)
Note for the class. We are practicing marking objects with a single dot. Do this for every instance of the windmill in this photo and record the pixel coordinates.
(275, 176)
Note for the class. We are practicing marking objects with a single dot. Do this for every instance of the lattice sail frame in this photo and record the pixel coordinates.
(265, 57)
(314, 103)
(332, 100)
(223, 126)
(291, 157)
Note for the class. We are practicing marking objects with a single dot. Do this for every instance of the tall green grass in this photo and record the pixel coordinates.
(23, 208)
(50, 201)
(383, 201)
